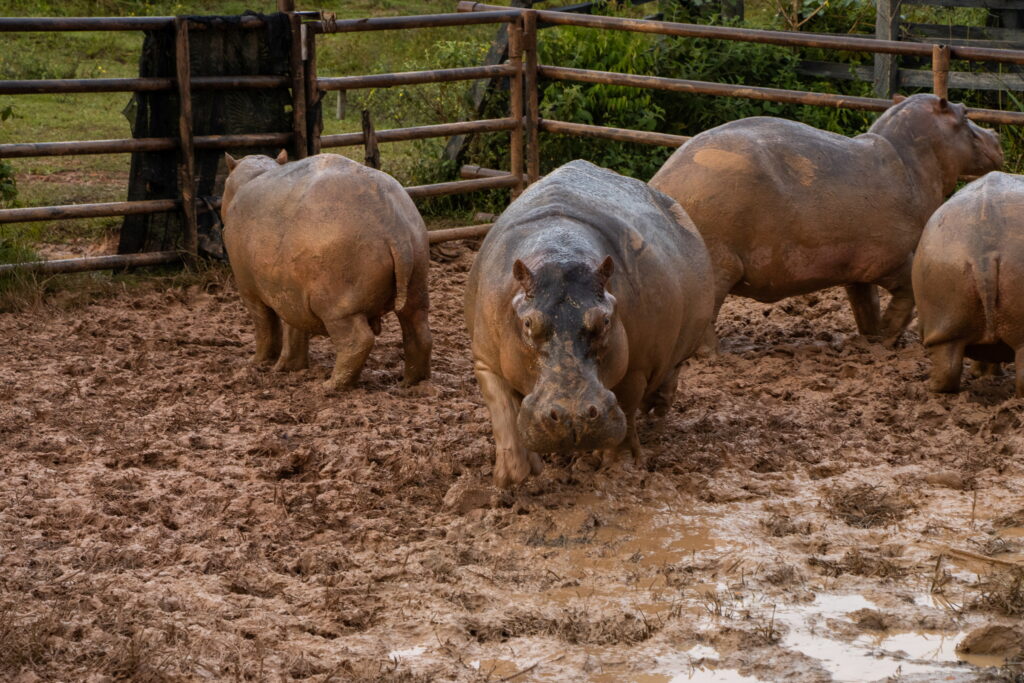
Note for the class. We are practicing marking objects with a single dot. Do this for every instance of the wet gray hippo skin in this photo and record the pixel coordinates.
(969, 280)
(587, 295)
(326, 245)
(788, 209)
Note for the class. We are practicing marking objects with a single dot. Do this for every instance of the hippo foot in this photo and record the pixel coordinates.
(290, 365)
(536, 464)
(412, 379)
(333, 384)
(980, 368)
(511, 468)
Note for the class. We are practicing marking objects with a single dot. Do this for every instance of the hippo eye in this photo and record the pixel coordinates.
(528, 323)
(607, 321)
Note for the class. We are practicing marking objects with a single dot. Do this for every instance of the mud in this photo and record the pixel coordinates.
(810, 511)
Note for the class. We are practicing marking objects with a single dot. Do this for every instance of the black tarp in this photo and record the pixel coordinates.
(223, 49)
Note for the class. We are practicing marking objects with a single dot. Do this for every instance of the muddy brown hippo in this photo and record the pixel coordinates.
(788, 209)
(969, 280)
(587, 295)
(326, 245)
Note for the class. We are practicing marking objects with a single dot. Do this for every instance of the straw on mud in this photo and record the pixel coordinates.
(975, 556)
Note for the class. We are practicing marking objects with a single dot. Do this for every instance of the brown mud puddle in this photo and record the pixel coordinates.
(168, 512)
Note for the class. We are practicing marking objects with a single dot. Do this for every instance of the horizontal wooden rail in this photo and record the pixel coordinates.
(45, 213)
(645, 137)
(78, 85)
(439, 130)
(752, 35)
(562, 73)
(470, 171)
(461, 186)
(80, 265)
(497, 14)
(126, 145)
(467, 73)
(449, 234)
(14, 24)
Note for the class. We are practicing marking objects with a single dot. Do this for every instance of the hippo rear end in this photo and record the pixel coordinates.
(968, 279)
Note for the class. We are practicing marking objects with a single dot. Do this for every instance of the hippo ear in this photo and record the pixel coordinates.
(523, 276)
(605, 270)
(282, 157)
(897, 98)
(230, 162)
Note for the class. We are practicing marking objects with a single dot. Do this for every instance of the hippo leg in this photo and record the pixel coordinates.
(982, 368)
(353, 340)
(629, 393)
(866, 311)
(295, 351)
(1018, 369)
(728, 269)
(512, 464)
(661, 400)
(947, 365)
(416, 343)
(268, 330)
(901, 307)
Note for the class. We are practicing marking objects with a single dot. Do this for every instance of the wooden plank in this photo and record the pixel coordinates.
(187, 163)
(946, 32)
(988, 4)
(887, 27)
(915, 78)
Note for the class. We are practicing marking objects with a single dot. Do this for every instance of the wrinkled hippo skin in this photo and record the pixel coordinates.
(325, 245)
(969, 280)
(788, 209)
(587, 295)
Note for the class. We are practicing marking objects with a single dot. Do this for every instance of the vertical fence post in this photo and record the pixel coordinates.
(370, 147)
(940, 70)
(300, 146)
(532, 98)
(312, 90)
(187, 159)
(887, 27)
(515, 58)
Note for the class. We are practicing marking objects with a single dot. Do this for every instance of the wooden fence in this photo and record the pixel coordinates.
(523, 122)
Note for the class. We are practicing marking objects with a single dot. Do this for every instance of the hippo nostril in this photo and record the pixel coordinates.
(592, 412)
(553, 415)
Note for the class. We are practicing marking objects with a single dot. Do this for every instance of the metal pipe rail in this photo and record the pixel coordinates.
(495, 13)
(91, 85)
(468, 73)
(81, 265)
(52, 149)
(25, 24)
(438, 130)
(752, 35)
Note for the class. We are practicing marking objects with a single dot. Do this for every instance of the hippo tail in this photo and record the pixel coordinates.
(403, 256)
(986, 282)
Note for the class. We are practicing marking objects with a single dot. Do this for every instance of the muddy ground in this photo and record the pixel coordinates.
(810, 512)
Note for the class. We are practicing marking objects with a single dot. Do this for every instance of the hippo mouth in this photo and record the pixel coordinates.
(539, 436)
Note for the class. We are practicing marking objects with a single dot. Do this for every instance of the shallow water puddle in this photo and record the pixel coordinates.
(699, 664)
(869, 656)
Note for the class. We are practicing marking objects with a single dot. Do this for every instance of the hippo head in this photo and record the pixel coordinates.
(961, 146)
(567, 319)
(241, 171)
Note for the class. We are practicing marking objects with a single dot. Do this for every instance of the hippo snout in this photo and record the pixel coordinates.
(587, 421)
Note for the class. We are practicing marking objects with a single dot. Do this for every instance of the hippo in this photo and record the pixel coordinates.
(788, 209)
(325, 245)
(967, 272)
(587, 295)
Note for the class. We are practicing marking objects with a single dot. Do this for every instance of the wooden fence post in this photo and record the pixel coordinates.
(532, 98)
(887, 27)
(372, 157)
(295, 65)
(515, 94)
(187, 162)
(940, 70)
(312, 89)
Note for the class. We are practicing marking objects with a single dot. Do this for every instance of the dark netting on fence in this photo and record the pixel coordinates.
(223, 49)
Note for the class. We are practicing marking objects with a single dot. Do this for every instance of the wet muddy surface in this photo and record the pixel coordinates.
(810, 512)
